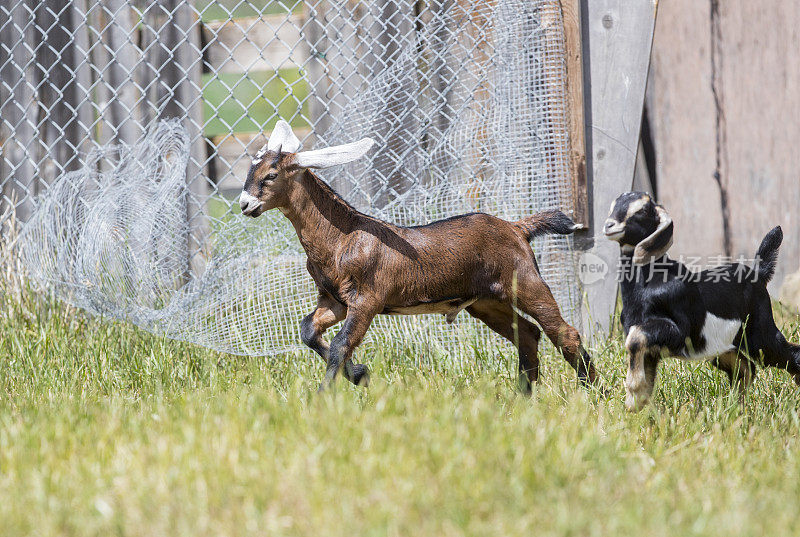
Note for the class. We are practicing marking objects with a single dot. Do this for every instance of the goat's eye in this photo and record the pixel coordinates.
(270, 176)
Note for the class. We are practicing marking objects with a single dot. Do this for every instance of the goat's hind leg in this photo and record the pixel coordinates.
(524, 335)
(784, 355)
(739, 369)
(313, 326)
(535, 298)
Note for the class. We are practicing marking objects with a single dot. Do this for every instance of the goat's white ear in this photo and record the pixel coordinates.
(333, 156)
(283, 138)
(658, 242)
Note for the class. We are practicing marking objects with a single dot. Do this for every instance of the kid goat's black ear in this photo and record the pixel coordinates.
(657, 244)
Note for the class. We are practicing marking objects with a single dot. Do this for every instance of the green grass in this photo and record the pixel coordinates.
(253, 102)
(213, 10)
(106, 430)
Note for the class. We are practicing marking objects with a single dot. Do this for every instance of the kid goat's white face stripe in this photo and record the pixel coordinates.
(636, 206)
(633, 208)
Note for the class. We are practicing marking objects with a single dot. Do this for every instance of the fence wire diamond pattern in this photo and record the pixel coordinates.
(134, 217)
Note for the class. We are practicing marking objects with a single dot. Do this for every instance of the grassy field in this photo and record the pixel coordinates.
(106, 430)
(213, 10)
(234, 102)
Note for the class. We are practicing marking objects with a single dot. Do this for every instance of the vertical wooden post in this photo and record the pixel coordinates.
(62, 85)
(317, 76)
(439, 64)
(5, 101)
(620, 36)
(19, 110)
(190, 61)
(118, 73)
(477, 69)
(571, 18)
(172, 74)
(99, 58)
(83, 75)
(395, 26)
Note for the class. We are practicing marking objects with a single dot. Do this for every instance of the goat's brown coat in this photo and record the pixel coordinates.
(364, 267)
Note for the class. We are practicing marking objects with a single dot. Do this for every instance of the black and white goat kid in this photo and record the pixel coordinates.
(724, 317)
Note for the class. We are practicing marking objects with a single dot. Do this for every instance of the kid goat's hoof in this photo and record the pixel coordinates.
(360, 376)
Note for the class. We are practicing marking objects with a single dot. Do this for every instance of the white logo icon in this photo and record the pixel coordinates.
(591, 268)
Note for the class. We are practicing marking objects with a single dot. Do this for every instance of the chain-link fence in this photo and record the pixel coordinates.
(465, 98)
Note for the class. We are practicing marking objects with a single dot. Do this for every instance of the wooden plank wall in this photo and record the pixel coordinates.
(756, 76)
(72, 76)
(618, 36)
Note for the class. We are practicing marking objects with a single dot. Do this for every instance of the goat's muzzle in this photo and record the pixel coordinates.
(250, 205)
(613, 229)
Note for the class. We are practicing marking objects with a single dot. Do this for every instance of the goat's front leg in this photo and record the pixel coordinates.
(523, 334)
(344, 343)
(646, 342)
(313, 326)
(642, 368)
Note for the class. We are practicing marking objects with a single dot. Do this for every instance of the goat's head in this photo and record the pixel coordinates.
(277, 164)
(639, 224)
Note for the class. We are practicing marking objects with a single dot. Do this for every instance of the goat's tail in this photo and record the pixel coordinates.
(767, 254)
(553, 221)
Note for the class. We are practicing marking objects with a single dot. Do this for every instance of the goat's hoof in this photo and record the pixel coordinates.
(360, 375)
(634, 404)
(325, 386)
(525, 388)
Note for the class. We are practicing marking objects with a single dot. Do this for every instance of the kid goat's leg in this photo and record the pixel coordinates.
(739, 369)
(344, 343)
(780, 353)
(645, 343)
(524, 335)
(313, 326)
(535, 299)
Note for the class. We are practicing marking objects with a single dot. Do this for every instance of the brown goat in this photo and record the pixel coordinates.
(364, 267)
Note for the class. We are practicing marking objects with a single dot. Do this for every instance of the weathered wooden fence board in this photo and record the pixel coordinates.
(756, 77)
(619, 37)
(117, 58)
(571, 17)
(19, 80)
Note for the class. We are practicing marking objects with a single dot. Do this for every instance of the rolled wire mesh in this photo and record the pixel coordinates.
(465, 99)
